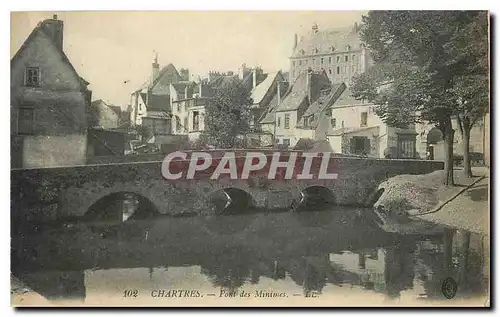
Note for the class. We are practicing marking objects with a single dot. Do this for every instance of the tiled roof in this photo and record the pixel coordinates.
(315, 110)
(259, 92)
(322, 42)
(223, 81)
(299, 90)
(160, 85)
(346, 99)
(180, 88)
(326, 99)
(167, 76)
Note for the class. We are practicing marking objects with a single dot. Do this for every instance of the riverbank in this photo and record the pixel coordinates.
(464, 206)
(469, 210)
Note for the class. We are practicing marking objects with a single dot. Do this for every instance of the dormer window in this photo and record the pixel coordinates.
(302, 52)
(332, 48)
(348, 47)
(32, 77)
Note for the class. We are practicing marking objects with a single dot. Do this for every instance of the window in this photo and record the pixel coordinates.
(353, 59)
(279, 122)
(26, 121)
(287, 121)
(330, 59)
(186, 125)
(364, 119)
(178, 107)
(196, 121)
(32, 76)
(311, 120)
(322, 59)
(293, 63)
(300, 63)
(330, 71)
(333, 122)
(338, 70)
(286, 142)
(338, 59)
(346, 58)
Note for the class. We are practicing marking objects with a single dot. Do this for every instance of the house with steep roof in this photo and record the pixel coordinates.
(265, 95)
(339, 52)
(303, 92)
(153, 99)
(315, 122)
(49, 102)
(355, 128)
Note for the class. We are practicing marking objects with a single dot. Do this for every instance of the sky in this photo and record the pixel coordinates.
(114, 50)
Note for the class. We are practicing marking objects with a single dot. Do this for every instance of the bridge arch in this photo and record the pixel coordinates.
(230, 201)
(316, 197)
(121, 206)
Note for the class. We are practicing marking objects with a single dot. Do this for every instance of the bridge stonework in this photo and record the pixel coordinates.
(72, 190)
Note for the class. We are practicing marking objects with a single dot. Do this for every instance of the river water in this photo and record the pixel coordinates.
(336, 257)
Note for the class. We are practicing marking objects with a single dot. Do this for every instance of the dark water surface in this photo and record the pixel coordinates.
(332, 255)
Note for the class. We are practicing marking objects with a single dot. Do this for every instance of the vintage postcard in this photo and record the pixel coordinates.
(259, 158)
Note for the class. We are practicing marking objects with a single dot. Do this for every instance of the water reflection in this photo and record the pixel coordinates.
(316, 252)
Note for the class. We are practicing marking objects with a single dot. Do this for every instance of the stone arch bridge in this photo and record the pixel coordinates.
(51, 194)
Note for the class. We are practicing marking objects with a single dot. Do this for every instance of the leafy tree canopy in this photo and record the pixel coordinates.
(227, 115)
(428, 65)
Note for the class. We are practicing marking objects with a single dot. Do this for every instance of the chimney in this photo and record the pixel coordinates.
(186, 92)
(243, 71)
(200, 89)
(156, 69)
(254, 77)
(295, 41)
(54, 29)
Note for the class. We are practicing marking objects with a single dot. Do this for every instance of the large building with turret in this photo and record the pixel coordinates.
(339, 52)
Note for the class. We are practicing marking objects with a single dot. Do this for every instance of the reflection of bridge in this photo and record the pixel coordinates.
(56, 193)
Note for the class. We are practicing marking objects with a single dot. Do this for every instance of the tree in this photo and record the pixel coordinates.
(227, 115)
(423, 68)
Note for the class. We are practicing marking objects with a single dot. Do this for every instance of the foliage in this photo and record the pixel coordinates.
(144, 132)
(428, 66)
(227, 115)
